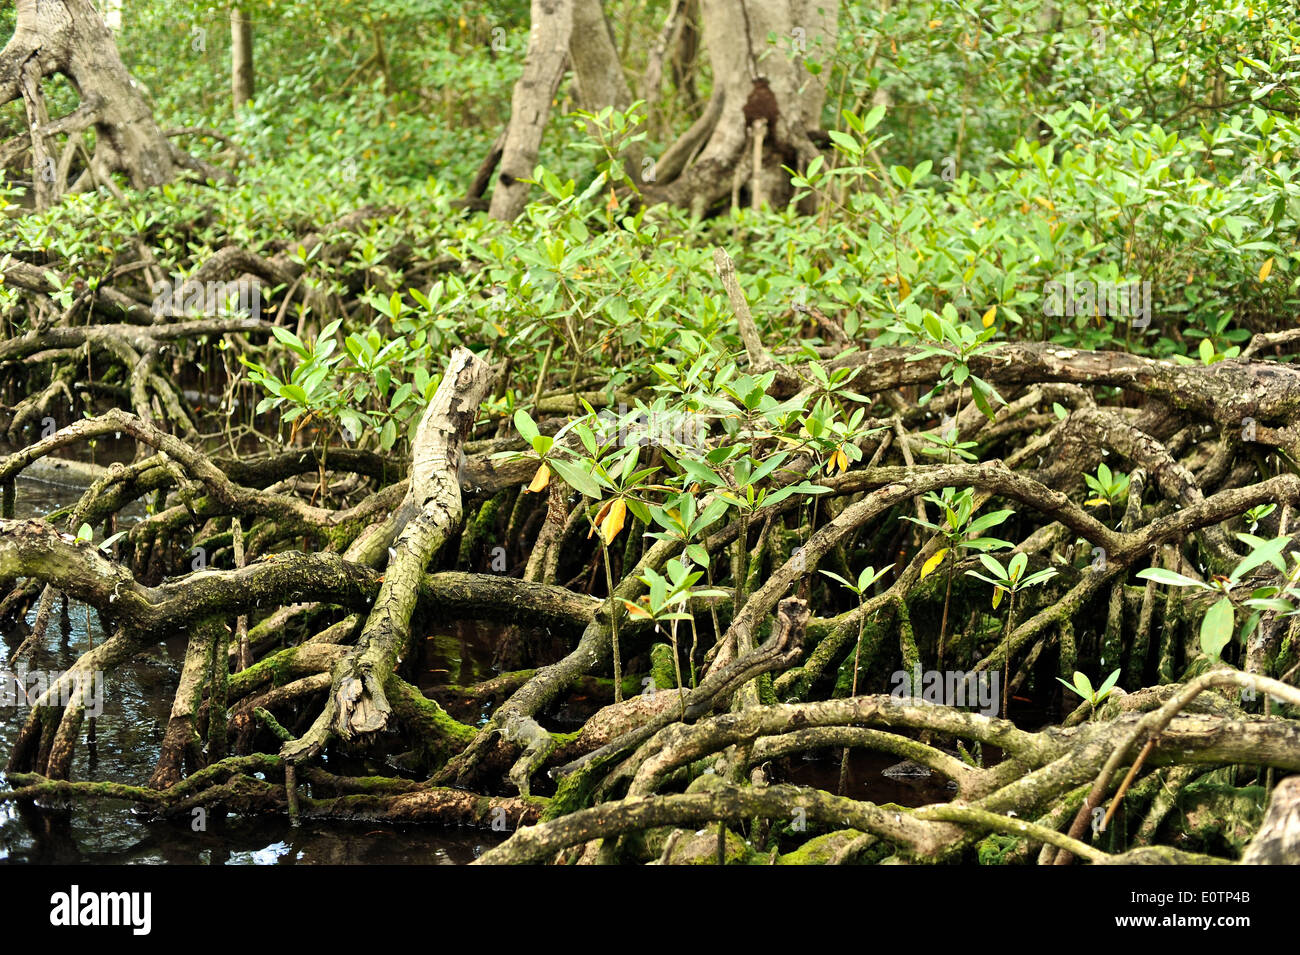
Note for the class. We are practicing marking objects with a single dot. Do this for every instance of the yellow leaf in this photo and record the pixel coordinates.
(990, 316)
(613, 523)
(935, 23)
(600, 519)
(540, 479)
(929, 566)
(840, 459)
(997, 596)
(1265, 269)
(904, 287)
(1095, 500)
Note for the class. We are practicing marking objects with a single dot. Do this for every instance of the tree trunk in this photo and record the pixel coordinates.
(70, 37)
(241, 58)
(596, 67)
(548, 46)
(598, 73)
(764, 103)
(1278, 839)
(358, 704)
(763, 96)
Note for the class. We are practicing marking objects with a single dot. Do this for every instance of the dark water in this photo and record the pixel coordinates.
(136, 706)
(865, 779)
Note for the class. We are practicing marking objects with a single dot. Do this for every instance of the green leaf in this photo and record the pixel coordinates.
(525, 426)
(766, 468)
(1249, 626)
(697, 553)
(1263, 552)
(869, 576)
(580, 480)
(701, 472)
(586, 437)
(803, 487)
(1083, 685)
(845, 142)
(639, 510)
(985, 544)
(1216, 628)
(290, 339)
(295, 393)
(110, 541)
(993, 566)
(712, 511)
(979, 391)
(1070, 686)
(401, 394)
(1162, 576)
(984, 522)
(848, 584)
(872, 119)
(1276, 604)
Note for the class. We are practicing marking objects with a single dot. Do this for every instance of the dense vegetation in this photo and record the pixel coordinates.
(1002, 399)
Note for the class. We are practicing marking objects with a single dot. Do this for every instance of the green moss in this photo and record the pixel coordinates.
(271, 723)
(573, 793)
(819, 850)
(766, 692)
(438, 735)
(278, 669)
(662, 670)
(483, 522)
(1215, 818)
(996, 848)
(704, 782)
(697, 849)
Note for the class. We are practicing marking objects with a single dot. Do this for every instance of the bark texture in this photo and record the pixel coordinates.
(69, 37)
